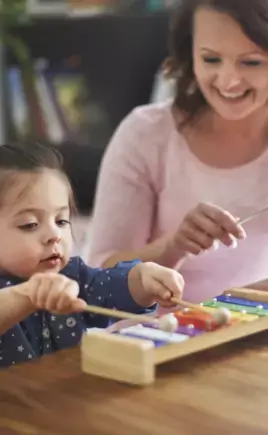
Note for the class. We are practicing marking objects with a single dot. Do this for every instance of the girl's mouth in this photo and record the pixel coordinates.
(53, 260)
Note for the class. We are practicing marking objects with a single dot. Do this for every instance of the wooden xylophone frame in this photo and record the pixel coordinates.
(134, 360)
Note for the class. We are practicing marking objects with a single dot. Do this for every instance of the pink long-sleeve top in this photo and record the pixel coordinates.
(149, 180)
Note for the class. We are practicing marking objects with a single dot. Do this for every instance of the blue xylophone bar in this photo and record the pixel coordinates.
(239, 301)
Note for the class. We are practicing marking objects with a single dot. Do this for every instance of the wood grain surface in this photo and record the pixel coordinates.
(220, 392)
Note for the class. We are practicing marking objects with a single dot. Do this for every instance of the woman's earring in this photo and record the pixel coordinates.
(192, 88)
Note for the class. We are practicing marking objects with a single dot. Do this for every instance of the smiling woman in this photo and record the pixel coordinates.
(177, 175)
(231, 51)
(233, 78)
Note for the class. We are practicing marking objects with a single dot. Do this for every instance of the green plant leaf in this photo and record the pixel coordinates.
(12, 12)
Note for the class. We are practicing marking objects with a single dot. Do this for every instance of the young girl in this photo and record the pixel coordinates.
(44, 292)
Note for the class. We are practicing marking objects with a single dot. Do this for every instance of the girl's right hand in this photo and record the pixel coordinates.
(52, 292)
(205, 226)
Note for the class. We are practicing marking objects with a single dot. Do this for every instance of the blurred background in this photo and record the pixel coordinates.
(72, 70)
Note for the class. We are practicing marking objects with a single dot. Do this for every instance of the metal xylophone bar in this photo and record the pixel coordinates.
(243, 306)
(242, 310)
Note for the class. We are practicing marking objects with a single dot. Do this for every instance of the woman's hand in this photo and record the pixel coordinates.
(205, 226)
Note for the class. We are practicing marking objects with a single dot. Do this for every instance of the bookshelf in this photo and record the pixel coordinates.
(120, 54)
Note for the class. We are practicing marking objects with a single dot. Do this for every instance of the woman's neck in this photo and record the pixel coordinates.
(227, 144)
(254, 127)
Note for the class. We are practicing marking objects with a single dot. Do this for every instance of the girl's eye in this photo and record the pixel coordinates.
(62, 222)
(28, 227)
(211, 59)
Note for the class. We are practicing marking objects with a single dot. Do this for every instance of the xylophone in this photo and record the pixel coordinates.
(131, 354)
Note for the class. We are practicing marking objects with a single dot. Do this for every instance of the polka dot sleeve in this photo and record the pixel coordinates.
(108, 287)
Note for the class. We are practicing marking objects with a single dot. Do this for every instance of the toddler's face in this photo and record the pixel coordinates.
(35, 231)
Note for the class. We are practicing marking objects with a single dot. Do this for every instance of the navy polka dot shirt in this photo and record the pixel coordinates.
(43, 332)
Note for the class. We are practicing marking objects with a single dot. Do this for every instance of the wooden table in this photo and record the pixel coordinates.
(221, 392)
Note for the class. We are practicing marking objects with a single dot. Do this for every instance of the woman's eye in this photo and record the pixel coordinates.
(28, 227)
(252, 62)
(63, 222)
(212, 59)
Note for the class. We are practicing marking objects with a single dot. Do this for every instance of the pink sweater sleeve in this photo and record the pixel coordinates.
(125, 195)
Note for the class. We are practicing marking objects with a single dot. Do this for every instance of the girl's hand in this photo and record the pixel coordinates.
(151, 283)
(52, 292)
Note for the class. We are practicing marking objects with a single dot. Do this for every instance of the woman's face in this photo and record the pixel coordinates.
(231, 71)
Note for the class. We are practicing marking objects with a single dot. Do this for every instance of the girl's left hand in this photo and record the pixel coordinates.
(158, 284)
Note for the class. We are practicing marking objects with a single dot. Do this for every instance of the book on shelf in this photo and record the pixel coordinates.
(58, 109)
(85, 7)
(78, 8)
(68, 7)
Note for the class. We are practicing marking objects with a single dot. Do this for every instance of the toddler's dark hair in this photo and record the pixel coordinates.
(29, 157)
(34, 158)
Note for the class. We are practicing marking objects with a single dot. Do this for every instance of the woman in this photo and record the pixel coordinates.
(177, 176)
